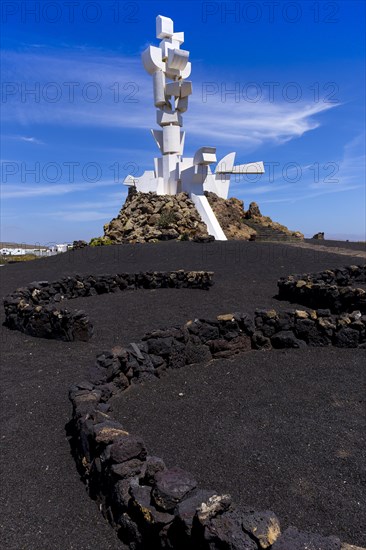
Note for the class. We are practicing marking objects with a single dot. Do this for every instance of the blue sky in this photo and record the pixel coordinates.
(282, 82)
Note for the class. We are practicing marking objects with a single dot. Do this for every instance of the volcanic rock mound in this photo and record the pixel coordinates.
(147, 217)
(248, 225)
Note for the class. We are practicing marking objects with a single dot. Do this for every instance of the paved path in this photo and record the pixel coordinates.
(361, 254)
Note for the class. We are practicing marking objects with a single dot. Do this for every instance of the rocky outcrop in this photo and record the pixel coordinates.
(247, 225)
(253, 211)
(319, 236)
(230, 215)
(147, 217)
(266, 228)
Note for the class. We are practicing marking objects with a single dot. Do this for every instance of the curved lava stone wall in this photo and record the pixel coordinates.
(35, 309)
(150, 505)
(334, 289)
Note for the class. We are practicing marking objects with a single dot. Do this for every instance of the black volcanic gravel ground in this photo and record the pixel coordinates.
(351, 245)
(44, 505)
(282, 430)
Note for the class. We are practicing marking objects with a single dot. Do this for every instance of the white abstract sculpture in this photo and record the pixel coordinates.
(172, 174)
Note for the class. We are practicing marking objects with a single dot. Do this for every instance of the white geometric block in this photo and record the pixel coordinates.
(205, 155)
(199, 174)
(152, 60)
(147, 182)
(178, 37)
(185, 163)
(159, 88)
(158, 137)
(173, 74)
(164, 27)
(160, 187)
(210, 184)
(187, 71)
(225, 165)
(182, 104)
(182, 140)
(173, 88)
(159, 168)
(185, 88)
(177, 59)
(220, 186)
(156, 166)
(250, 168)
(187, 174)
(166, 45)
(163, 119)
(129, 180)
(170, 173)
(171, 139)
(207, 215)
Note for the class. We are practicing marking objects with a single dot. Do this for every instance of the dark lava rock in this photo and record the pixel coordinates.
(128, 447)
(245, 323)
(97, 375)
(204, 330)
(129, 532)
(147, 514)
(196, 353)
(225, 532)
(171, 487)
(121, 492)
(186, 510)
(239, 344)
(346, 338)
(203, 239)
(177, 358)
(307, 330)
(160, 346)
(152, 467)
(108, 431)
(264, 526)
(130, 468)
(216, 505)
(286, 339)
(260, 341)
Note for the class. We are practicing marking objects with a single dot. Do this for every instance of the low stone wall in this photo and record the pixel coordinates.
(150, 505)
(334, 289)
(35, 309)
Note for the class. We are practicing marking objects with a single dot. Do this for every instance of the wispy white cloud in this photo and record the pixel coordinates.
(31, 140)
(343, 175)
(303, 196)
(123, 99)
(349, 170)
(80, 215)
(10, 191)
(248, 124)
(27, 139)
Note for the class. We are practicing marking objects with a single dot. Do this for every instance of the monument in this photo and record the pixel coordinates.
(169, 67)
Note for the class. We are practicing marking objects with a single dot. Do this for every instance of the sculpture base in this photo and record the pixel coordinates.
(148, 217)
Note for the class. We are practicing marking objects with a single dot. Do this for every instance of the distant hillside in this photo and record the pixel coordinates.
(22, 245)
